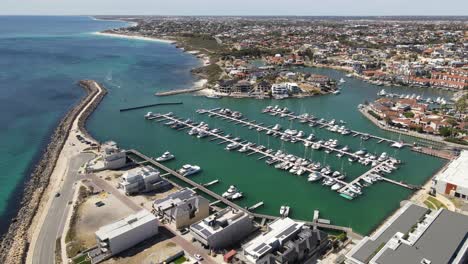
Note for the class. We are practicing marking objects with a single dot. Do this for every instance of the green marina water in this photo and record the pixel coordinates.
(257, 180)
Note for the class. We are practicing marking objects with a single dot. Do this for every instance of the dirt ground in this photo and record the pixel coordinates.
(91, 218)
(154, 250)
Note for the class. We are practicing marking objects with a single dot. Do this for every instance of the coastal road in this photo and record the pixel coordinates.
(44, 251)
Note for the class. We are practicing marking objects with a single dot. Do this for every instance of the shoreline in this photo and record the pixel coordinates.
(133, 37)
(15, 243)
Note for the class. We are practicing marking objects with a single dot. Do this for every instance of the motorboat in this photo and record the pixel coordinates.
(383, 157)
(213, 96)
(361, 152)
(300, 134)
(325, 170)
(310, 137)
(365, 137)
(284, 211)
(349, 75)
(317, 166)
(342, 80)
(188, 170)
(336, 186)
(232, 146)
(397, 145)
(314, 176)
(328, 182)
(300, 171)
(345, 148)
(382, 93)
(202, 134)
(149, 115)
(232, 193)
(352, 158)
(336, 174)
(165, 157)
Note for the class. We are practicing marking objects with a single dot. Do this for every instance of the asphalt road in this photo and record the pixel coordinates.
(52, 228)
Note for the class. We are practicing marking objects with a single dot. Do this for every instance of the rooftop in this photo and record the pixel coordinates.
(456, 171)
(125, 225)
(218, 221)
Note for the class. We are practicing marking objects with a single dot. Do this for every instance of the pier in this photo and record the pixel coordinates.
(149, 105)
(269, 153)
(326, 124)
(266, 129)
(180, 91)
(219, 199)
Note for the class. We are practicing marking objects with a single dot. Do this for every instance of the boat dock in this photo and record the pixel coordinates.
(180, 91)
(219, 199)
(327, 124)
(261, 128)
(269, 153)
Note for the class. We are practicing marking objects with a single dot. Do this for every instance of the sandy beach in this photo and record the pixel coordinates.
(133, 37)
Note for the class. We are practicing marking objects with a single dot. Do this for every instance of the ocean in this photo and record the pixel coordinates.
(45, 56)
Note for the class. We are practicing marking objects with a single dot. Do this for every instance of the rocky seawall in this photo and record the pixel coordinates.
(14, 244)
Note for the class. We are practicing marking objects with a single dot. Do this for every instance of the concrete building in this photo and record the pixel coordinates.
(279, 89)
(126, 233)
(223, 229)
(416, 235)
(453, 180)
(184, 207)
(113, 157)
(286, 241)
(142, 179)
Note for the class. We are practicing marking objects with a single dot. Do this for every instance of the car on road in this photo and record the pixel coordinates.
(184, 231)
(99, 204)
(198, 257)
(57, 194)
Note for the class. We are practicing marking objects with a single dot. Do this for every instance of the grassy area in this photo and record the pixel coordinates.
(436, 202)
(201, 42)
(211, 72)
(429, 205)
(82, 260)
(180, 260)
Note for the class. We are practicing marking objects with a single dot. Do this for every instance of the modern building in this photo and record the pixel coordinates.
(183, 208)
(113, 157)
(279, 89)
(416, 235)
(286, 241)
(142, 179)
(126, 233)
(223, 229)
(453, 180)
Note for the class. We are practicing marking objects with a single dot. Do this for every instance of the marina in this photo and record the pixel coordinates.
(331, 125)
(283, 160)
(138, 157)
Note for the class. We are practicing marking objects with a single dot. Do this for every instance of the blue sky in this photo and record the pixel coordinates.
(234, 7)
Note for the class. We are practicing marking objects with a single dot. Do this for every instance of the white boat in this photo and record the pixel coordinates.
(300, 171)
(336, 92)
(232, 146)
(188, 170)
(336, 186)
(310, 137)
(397, 145)
(328, 182)
(213, 96)
(361, 152)
(202, 134)
(193, 131)
(383, 157)
(336, 174)
(165, 157)
(314, 176)
(349, 75)
(342, 80)
(230, 192)
(236, 196)
(326, 170)
(300, 134)
(345, 148)
(149, 115)
(284, 211)
(382, 93)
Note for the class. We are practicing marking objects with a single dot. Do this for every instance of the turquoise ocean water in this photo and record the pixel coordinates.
(43, 57)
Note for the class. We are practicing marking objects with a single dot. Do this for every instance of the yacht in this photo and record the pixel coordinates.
(328, 182)
(284, 211)
(290, 132)
(202, 134)
(300, 171)
(336, 174)
(310, 137)
(315, 176)
(307, 143)
(397, 145)
(317, 166)
(244, 148)
(382, 93)
(345, 131)
(342, 80)
(193, 131)
(316, 146)
(232, 146)
(188, 170)
(336, 92)
(213, 96)
(352, 159)
(165, 157)
(383, 157)
(326, 170)
(339, 154)
(345, 148)
(361, 152)
(336, 186)
(300, 134)
(232, 193)
(334, 143)
(149, 115)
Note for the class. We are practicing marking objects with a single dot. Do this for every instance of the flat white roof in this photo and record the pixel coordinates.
(125, 225)
(457, 171)
(279, 231)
